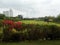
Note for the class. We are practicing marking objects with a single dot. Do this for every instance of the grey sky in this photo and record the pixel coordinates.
(32, 8)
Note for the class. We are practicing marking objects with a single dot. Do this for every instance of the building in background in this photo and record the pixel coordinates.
(8, 13)
(11, 13)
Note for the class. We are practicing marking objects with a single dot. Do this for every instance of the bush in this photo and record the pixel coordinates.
(18, 31)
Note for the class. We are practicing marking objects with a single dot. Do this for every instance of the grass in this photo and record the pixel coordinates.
(39, 22)
(53, 42)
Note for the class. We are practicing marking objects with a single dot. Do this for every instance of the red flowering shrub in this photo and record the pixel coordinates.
(11, 24)
(18, 25)
(8, 23)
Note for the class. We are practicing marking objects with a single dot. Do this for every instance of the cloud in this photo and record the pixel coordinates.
(33, 8)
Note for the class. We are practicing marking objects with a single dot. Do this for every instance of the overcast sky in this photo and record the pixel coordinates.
(32, 8)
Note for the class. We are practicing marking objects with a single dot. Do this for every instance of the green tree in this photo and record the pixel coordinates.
(2, 16)
(20, 16)
(48, 18)
(58, 18)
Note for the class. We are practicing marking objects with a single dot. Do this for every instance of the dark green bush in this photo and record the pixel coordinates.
(35, 32)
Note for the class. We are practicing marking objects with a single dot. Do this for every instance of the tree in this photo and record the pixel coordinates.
(58, 18)
(20, 16)
(2, 16)
(48, 18)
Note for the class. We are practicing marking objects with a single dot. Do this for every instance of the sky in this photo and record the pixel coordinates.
(31, 8)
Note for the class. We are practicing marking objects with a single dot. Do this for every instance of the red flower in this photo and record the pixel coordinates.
(9, 23)
(18, 25)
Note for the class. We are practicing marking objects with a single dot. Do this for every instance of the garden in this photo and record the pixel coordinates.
(28, 32)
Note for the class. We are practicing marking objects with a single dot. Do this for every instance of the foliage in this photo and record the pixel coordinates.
(18, 25)
(18, 31)
(2, 16)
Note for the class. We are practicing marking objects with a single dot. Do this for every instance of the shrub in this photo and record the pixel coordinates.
(18, 31)
(18, 26)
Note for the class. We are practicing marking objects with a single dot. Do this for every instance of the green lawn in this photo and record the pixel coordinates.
(39, 22)
(56, 42)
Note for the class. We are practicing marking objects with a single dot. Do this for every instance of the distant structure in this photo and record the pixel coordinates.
(8, 13)
(20, 16)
